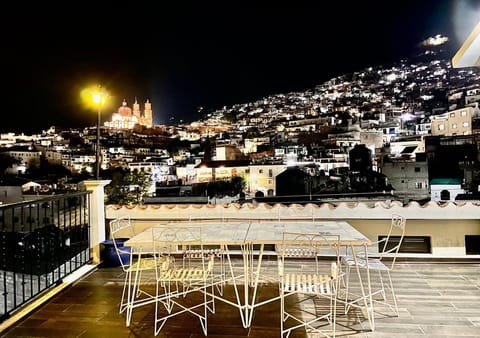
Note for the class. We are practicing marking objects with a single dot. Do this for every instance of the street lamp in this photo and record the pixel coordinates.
(99, 96)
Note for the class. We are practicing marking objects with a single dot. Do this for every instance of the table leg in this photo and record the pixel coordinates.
(240, 305)
(367, 296)
(251, 305)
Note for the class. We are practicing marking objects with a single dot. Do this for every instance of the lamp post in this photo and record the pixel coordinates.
(98, 96)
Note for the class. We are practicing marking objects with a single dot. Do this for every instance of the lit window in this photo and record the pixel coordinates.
(454, 126)
(441, 127)
(463, 113)
(465, 124)
(418, 185)
(452, 114)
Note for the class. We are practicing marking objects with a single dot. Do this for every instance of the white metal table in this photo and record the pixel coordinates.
(248, 235)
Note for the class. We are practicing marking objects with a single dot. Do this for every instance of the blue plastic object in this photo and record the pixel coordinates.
(109, 255)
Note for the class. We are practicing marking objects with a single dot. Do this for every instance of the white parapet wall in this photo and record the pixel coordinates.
(447, 224)
(342, 210)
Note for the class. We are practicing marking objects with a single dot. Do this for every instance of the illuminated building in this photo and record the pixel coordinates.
(127, 118)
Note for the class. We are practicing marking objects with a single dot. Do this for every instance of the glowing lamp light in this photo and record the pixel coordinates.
(96, 97)
(99, 98)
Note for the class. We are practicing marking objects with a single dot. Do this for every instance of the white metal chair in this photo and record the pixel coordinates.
(308, 266)
(134, 267)
(218, 251)
(378, 264)
(177, 281)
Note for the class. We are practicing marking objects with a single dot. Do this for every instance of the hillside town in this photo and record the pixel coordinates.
(407, 131)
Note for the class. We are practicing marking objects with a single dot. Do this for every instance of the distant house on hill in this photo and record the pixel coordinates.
(445, 189)
(31, 187)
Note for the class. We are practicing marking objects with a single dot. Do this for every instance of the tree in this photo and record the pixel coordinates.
(46, 169)
(7, 161)
(252, 132)
(230, 116)
(222, 188)
(238, 184)
(126, 187)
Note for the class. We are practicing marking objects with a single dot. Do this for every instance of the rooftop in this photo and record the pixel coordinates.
(436, 299)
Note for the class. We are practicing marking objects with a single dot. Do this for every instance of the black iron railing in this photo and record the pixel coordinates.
(41, 242)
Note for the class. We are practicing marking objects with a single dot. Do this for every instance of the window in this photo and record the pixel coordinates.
(441, 127)
(454, 126)
(270, 181)
(452, 114)
(417, 169)
(465, 124)
(463, 113)
(411, 244)
(418, 185)
(260, 171)
(270, 173)
(472, 244)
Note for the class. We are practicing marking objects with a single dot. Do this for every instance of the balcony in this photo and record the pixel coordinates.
(435, 299)
(438, 289)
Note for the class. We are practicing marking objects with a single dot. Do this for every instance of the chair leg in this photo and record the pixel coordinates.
(123, 301)
(394, 296)
(157, 328)
(133, 292)
(138, 291)
(222, 275)
(382, 287)
(130, 296)
(309, 325)
(346, 284)
(282, 313)
(212, 291)
(334, 300)
(206, 309)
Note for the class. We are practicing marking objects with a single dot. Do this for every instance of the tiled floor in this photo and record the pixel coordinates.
(435, 300)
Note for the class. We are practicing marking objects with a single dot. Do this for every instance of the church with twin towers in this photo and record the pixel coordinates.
(126, 117)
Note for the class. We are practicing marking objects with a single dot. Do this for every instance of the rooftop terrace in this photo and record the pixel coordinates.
(436, 299)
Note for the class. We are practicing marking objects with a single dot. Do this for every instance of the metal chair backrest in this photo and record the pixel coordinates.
(310, 246)
(393, 241)
(172, 241)
(121, 228)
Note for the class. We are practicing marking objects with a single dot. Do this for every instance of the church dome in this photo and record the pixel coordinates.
(124, 110)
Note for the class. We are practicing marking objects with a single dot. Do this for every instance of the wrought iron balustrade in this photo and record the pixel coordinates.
(41, 242)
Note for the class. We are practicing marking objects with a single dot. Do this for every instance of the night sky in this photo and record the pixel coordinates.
(185, 55)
